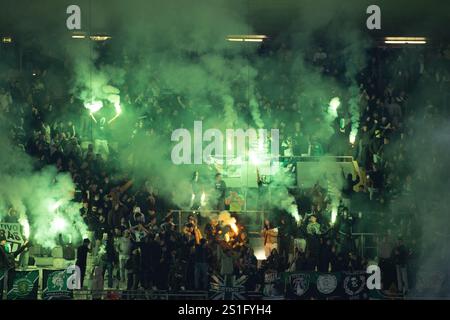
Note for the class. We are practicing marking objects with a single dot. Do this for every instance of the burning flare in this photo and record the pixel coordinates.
(228, 220)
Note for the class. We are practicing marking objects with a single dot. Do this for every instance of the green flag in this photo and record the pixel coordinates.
(23, 285)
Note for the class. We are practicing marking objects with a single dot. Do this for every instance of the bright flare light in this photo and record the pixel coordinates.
(203, 199)
(253, 158)
(93, 106)
(229, 145)
(118, 109)
(334, 211)
(352, 137)
(293, 210)
(25, 227)
(334, 104)
(58, 224)
(233, 226)
(260, 254)
(228, 220)
(405, 40)
(55, 205)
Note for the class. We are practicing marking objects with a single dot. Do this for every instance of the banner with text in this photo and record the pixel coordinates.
(12, 233)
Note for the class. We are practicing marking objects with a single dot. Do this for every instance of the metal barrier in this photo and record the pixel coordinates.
(114, 294)
(317, 158)
(252, 220)
(364, 245)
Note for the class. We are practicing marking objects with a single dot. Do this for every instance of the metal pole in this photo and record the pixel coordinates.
(363, 245)
(5, 285)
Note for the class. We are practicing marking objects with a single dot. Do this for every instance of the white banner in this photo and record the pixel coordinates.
(13, 234)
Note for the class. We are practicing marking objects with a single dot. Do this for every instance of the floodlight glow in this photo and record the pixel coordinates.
(253, 40)
(78, 35)
(247, 38)
(405, 40)
(99, 37)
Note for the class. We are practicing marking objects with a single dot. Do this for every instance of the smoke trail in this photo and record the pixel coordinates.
(354, 110)
(256, 115)
(230, 113)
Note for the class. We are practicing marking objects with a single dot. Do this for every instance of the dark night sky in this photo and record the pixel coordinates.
(399, 17)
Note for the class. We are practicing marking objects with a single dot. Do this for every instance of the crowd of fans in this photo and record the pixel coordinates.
(138, 243)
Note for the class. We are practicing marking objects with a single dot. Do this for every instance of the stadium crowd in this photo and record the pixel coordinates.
(138, 243)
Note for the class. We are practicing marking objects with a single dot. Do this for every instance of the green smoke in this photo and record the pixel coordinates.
(34, 195)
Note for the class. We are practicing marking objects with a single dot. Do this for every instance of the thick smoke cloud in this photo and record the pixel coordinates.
(36, 194)
(162, 48)
(425, 189)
